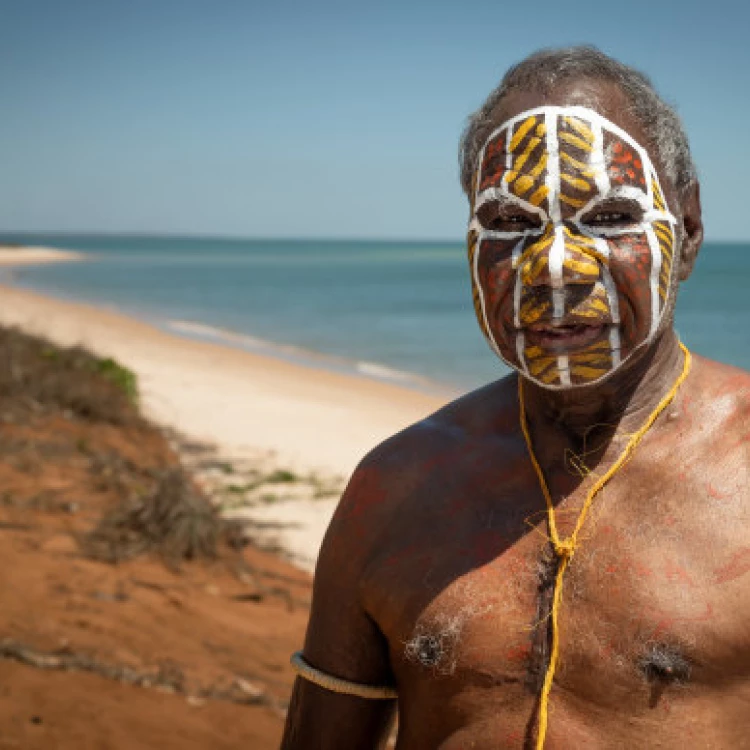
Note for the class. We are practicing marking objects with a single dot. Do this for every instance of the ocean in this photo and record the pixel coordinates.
(399, 311)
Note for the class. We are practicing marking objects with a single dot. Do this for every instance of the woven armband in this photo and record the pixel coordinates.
(337, 685)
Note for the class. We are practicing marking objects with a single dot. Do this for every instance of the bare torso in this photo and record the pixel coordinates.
(437, 574)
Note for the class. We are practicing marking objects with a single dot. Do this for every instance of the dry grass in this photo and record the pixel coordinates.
(37, 377)
(67, 411)
(173, 520)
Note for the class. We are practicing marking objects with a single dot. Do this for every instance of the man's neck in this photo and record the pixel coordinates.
(620, 404)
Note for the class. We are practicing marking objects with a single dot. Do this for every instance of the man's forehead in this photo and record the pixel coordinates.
(558, 159)
(540, 119)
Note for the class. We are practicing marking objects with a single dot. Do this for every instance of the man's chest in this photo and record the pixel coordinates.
(655, 596)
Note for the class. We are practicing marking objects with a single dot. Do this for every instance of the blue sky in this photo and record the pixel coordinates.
(324, 119)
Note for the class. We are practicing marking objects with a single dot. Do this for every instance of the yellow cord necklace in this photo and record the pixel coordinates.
(565, 548)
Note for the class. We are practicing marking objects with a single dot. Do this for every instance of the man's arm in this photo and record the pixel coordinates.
(342, 640)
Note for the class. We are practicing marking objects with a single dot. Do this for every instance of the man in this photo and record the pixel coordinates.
(559, 559)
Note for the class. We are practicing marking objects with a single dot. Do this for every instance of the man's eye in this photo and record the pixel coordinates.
(512, 223)
(610, 219)
(506, 218)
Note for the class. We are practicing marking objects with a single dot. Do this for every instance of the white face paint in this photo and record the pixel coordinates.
(570, 244)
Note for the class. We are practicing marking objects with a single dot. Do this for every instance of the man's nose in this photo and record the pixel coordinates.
(560, 255)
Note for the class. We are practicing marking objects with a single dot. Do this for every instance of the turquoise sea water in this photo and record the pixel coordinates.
(399, 310)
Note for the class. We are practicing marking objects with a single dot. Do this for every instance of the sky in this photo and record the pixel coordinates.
(318, 119)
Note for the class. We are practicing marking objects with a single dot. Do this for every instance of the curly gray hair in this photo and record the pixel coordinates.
(543, 70)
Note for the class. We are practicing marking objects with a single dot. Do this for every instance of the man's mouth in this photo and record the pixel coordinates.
(565, 337)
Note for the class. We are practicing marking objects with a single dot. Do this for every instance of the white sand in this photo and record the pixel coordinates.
(28, 256)
(308, 419)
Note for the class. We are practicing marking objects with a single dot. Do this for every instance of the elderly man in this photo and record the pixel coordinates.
(559, 559)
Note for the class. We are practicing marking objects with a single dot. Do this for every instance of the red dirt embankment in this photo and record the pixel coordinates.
(154, 651)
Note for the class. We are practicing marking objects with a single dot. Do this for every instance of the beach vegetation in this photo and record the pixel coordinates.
(322, 493)
(239, 489)
(37, 377)
(172, 519)
(281, 476)
(68, 413)
(118, 374)
(274, 486)
(121, 376)
(257, 481)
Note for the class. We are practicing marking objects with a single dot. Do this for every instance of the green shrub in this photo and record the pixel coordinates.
(121, 376)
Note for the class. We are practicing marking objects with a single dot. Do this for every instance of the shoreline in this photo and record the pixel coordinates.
(154, 352)
(21, 256)
(253, 409)
(297, 355)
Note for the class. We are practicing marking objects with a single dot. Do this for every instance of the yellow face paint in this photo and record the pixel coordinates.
(571, 245)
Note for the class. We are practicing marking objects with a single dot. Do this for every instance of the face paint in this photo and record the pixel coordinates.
(570, 246)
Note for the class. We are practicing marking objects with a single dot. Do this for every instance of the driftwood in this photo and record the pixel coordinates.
(167, 677)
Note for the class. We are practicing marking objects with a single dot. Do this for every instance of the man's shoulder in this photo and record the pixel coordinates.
(719, 384)
(718, 405)
(390, 479)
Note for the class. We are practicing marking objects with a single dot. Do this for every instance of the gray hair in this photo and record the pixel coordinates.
(543, 70)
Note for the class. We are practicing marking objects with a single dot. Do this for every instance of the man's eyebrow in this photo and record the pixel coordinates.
(633, 197)
(617, 198)
(500, 199)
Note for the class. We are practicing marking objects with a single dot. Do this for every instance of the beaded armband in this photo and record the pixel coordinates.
(337, 685)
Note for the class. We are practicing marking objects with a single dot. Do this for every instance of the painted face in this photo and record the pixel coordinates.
(570, 245)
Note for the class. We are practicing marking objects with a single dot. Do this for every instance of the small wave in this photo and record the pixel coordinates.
(254, 343)
(375, 370)
(242, 340)
(303, 356)
(222, 334)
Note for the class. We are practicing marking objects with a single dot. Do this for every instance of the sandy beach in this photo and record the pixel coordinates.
(301, 421)
(29, 256)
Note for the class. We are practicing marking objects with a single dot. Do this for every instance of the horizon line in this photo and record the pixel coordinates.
(266, 238)
(221, 236)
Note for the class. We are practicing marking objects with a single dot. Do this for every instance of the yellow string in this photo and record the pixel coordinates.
(565, 548)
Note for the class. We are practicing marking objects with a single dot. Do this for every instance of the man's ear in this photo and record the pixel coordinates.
(692, 230)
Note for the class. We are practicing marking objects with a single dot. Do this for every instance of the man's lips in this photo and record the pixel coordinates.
(565, 336)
